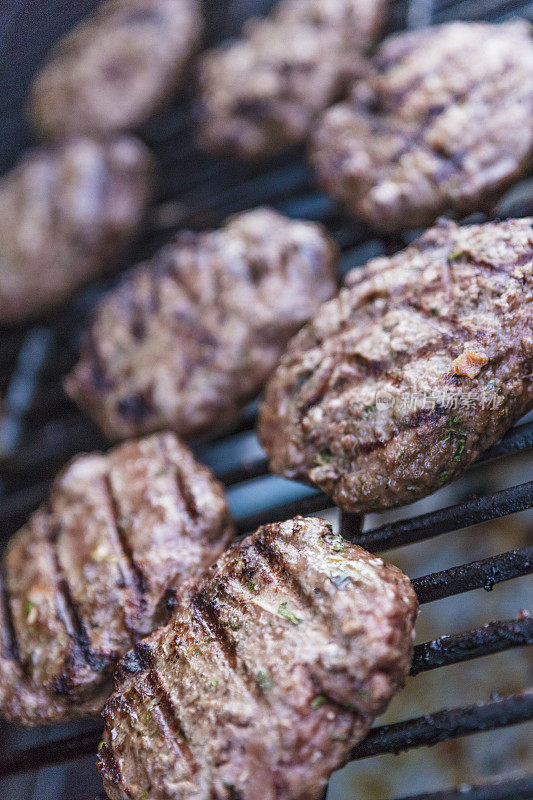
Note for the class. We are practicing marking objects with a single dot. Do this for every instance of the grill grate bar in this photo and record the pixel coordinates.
(491, 638)
(444, 651)
(417, 529)
(482, 574)
(506, 789)
(447, 724)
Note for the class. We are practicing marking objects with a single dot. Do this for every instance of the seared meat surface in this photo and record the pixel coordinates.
(66, 212)
(261, 94)
(442, 124)
(258, 689)
(87, 576)
(187, 339)
(116, 68)
(422, 362)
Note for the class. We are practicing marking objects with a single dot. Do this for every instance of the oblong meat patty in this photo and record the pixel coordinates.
(443, 124)
(87, 576)
(66, 212)
(422, 362)
(261, 94)
(259, 688)
(188, 338)
(116, 68)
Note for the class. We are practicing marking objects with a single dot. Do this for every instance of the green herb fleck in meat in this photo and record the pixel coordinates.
(324, 457)
(28, 607)
(368, 410)
(264, 680)
(285, 612)
(318, 701)
(455, 254)
(338, 545)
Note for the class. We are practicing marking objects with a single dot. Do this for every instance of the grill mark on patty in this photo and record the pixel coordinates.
(284, 575)
(165, 716)
(318, 393)
(69, 611)
(416, 420)
(185, 493)
(374, 367)
(206, 614)
(100, 380)
(369, 368)
(137, 579)
(108, 765)
(8, 634)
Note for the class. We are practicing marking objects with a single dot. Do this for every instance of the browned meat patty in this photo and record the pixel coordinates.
(66, 212)
(118, 67)
(422, 362)
(191, 336)
(443, 124)
(258, 689)
(86, 578)
(260, 95)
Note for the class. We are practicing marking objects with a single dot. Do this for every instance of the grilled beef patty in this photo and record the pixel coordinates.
(260, 95)
(443, 124)
(87, 576)
(422, 362)
(66, 212)
(190, 337)
(116, 68)
(260, 687)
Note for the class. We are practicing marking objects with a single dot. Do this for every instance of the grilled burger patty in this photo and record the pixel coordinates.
(66, 212)
(190, 337)
(260, 95)
(259, 688)
(116, 68)
(87, 576)
(442, 124)
(422, 362)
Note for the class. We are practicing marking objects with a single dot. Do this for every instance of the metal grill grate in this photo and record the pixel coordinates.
(40, 429)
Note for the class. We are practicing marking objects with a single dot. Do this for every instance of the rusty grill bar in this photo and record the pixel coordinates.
(40, 429)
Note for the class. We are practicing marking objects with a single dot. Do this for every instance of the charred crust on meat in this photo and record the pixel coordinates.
(82, 582)
(259, 96)
(368, 425)
(398, 155)
(188, 338)
(65, 248)
(92, 83)
(248, 721)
